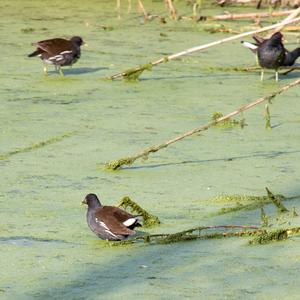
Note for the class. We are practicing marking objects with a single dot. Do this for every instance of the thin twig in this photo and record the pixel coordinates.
(202, 47)
(114, 165)
(248, 15)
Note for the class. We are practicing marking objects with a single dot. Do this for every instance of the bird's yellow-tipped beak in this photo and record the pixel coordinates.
(85, 44)
(83, 202)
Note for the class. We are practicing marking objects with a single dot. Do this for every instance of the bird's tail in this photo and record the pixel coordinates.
(35, 53)
(249, 45)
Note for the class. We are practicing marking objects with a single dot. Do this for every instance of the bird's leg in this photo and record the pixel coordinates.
(262, 75)
(276, 75)
(45, 69)
(60, 71)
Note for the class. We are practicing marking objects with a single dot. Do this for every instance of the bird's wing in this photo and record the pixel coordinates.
(118, 213)
(258, 39)
(112, 223)
(54, 46)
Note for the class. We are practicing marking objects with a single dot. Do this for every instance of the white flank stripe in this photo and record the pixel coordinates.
(56, 57)
(129, 222)
(65, 52)
(49, 61)
(101, 223)
(108, 231)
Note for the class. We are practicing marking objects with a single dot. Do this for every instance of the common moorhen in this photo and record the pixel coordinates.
(109, 222)
(58, 52)
(271, 53)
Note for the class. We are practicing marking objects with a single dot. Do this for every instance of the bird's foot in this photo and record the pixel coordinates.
(45, 71)
(61, 72)
(262, 75)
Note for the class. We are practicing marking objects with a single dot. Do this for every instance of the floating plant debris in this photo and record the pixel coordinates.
(228, 123)
(149, 219)
(266, 237)
(37, 145)
(134, 73)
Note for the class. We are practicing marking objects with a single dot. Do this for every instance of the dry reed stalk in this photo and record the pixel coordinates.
(292, 16)
(172, 9)
(117, 164)
(250, 15)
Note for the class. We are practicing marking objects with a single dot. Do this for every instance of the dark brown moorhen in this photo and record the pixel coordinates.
(58, 52)
(109, 222)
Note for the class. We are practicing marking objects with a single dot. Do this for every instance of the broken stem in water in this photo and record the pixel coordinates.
(116, 164)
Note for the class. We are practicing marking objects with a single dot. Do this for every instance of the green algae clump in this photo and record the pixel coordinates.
(134, 73)
(148, 219)
(244, 202)
(116, 164)
(228, 123)
(267, 237)
(37, 145)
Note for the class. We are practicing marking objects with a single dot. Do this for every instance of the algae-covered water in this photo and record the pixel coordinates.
(57, 133)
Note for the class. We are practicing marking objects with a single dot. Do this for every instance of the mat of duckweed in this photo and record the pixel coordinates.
(56, 131)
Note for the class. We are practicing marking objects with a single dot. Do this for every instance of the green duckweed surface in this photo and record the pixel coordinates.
(57, 133)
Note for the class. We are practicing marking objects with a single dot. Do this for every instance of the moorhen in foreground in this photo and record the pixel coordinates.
(109, 222)
(58, 52)
(271, 53)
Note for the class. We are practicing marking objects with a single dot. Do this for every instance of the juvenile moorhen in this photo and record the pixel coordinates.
(271, 53)
(109, 222)
(58, 52)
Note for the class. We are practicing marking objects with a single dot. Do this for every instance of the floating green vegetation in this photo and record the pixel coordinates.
(116, 164)
(218, 28)
(266, 237)
(264, 218)
(134, 73)
(191, 234)
(268, 117)
(277, 201)
(260, 236)
(163, 34)
(38, 145)
(27, 30)
(149, 219)
(231, 69)
(107, 28)
(294, 213)
(228, 123)
(248, 202)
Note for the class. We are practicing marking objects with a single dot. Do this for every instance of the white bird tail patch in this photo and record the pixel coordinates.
(129, 222)
(249, 45)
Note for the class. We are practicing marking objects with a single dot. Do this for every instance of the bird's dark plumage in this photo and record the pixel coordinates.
(58, 52)
(271, 53)
(109, 222)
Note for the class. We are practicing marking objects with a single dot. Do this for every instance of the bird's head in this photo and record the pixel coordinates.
(77, 40)
(277, 36)
(91, 200)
